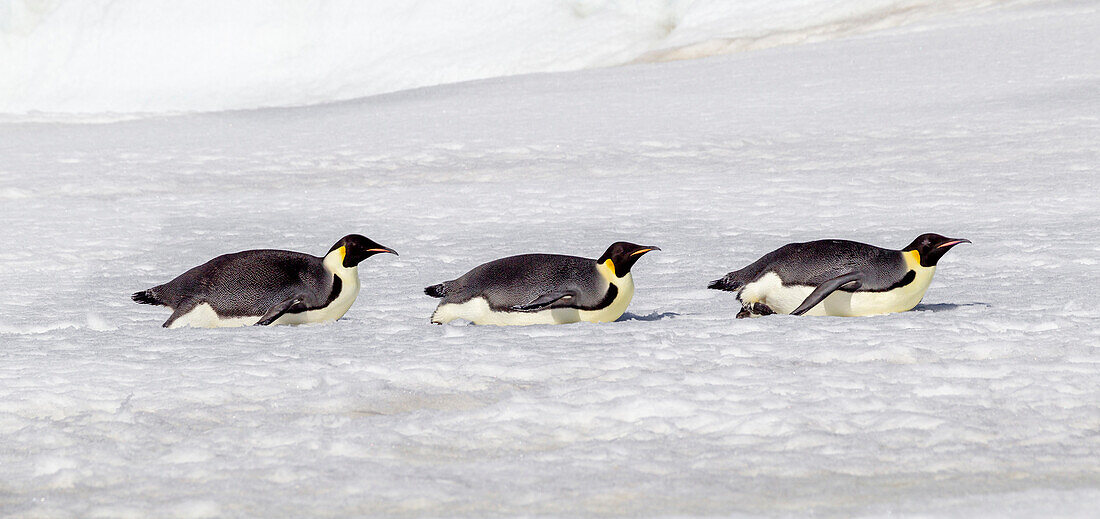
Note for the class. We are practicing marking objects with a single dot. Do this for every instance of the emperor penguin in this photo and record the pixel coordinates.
(542, 289)
(262, 287)
(837, 277)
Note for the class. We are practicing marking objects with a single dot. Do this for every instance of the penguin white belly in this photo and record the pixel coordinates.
(204, 316)
(477, 311)
(335, 310)
(784, 299)
(901, 299)
(615, 310)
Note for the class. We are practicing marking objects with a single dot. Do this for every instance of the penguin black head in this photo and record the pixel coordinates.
(931, 247)
(623, 255)
(358, 248)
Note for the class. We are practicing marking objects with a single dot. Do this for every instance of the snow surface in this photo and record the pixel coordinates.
(983, 402)
(95, 56)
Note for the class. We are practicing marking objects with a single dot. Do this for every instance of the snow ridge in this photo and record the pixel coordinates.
(149, 56)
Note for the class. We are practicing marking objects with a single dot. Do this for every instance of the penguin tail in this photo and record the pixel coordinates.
(727, 283)
(436, 290)
(147, 297)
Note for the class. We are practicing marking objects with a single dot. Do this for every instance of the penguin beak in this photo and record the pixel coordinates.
(951, 243)
(384, 249)
(643, 250)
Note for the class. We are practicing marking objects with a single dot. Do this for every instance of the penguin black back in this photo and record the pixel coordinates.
(234, 284)
(798, 278)
(541, 289)
(266, 286)
(814, 262)
(516, 278)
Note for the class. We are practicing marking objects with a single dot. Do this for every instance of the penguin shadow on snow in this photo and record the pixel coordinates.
(654, 316)
(947, 307)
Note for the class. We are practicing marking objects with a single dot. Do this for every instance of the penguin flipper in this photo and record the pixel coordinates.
(823, 290)
(277, 311)
(179, 311)
(546, 300)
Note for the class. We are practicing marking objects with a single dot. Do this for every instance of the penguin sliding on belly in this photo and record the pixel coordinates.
(542, 289)
(837, 277)
(265, 287)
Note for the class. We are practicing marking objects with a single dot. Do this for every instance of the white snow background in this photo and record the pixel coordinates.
(982, 402)
(95, 56)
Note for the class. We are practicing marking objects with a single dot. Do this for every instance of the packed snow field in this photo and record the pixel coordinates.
(982, 401)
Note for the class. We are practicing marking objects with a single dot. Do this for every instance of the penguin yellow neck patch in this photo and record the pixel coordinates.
(912, 257)
(610, 265)
(334, 260)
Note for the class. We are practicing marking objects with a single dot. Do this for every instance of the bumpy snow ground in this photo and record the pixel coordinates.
(984, 401)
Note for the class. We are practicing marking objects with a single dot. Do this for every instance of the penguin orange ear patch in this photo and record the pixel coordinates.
(343, 253)
(610, 265)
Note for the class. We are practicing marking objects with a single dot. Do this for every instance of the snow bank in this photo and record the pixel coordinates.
(96, 56)
(982, 402)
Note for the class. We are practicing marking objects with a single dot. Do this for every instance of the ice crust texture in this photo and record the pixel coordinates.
(983, 402)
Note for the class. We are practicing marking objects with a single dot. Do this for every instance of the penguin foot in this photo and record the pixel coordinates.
(755, 310)
(762, 309)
